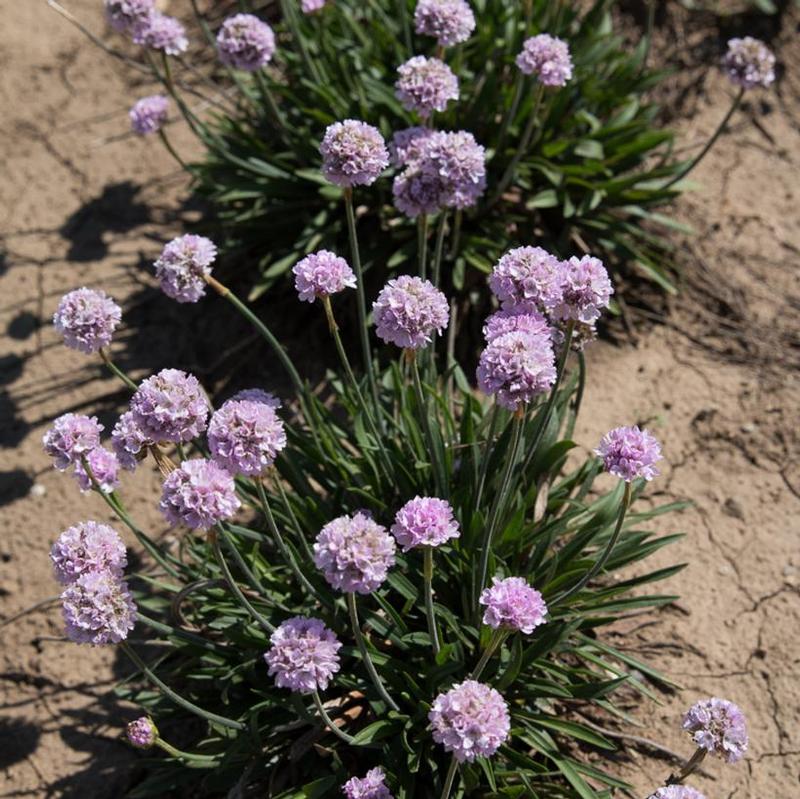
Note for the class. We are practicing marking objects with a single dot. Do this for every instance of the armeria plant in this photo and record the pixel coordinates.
(539, 102)
(393, 588)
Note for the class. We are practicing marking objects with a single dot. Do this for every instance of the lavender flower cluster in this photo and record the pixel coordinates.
(749, 63)
(425, 85)
(245, 42)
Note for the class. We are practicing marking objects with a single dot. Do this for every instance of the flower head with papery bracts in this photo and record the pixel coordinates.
(629, 452)
(87, 319)
(199, 494)
(516, 368)
(161, 32)
(417, 192)
(129, 442)
(408, 311)
(245, 42)
(513, 605)
(354, 553)
(424, 522)
(245, 436)
(124, 15)
(448, 21)
(170, 406)
(406, 145)
(257, 395)
(149, 114)
(312, 6)
(425, 85)
(519, 319)
(71, 437)
(470, 720)
(677, 792)
(749, 63)
(183, 265)
(353, 153)
(87, 547)
(303, 656)
(719, 727)
(98, 609)
(586, 290)
(530, 276)
(459, 162)
(321, 274)
(546, 57)
(142, 733)
(104, 467)
(371, 786)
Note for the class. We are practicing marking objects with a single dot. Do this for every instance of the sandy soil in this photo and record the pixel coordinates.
(85, 204)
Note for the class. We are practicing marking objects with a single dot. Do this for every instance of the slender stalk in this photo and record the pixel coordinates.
(450, 779)
(508, 119)
(709, 144)
(176, 697)
(362, 648)
(600, 563)
(493, 419)
(438, 466)
(112, 367)
(454, 245)
(429, 611)
(576, 403)
(329, 723)
(691, 766)
(207, 761)
(498, 636)
(422, 245)
(437, 253)
(269, 99)
(290, 513)
(171, 150)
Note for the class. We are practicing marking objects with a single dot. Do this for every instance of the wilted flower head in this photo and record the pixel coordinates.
(370, 786)
(257, 395)
(719, 727)
(321, 274)
(516, 368)
(406, 145)
(677, 792)
(129, 442)
(71, 437)
(160, 32)
(199, 494)
(460, 162)
(170, 406)
(546, 57)
(303, 656)
(408, 311)
(424, 522)
(354, 553)
(629, 452)
(586, 290)
(521, 318)
(749, 63)
(425, 85)
(86, 547)
(98, 609)
(530, 276)
(513, 605)
(449, 21)
(87, 318)
(183, 265)
(470, 720)
(312, 6)
(124, 15)
(149, 114)
(245, 42)
(353, 153)
(142, 733)
(104, 467)
(245, 436)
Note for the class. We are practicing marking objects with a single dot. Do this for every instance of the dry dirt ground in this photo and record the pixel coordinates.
(82, 203)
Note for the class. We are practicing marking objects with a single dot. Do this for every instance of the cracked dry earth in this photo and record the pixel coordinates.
(82, 203)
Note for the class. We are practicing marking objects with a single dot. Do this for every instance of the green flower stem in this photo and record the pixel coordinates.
(522, 150)
(496, 512)
(508, 119)
(287, 554)
(454, 245)
(290, 513)
(361, 295)
(709, 144)
(691, 766)
(177, 698)
(452, 772)
(498, 636)
(603, 559)
(437, 253)
(494, 417)
(269, 99)
(112, 367)
(202, 761)
(229, 578)
(422, 245)
(171, 150)
(288, 13)
(362, 648)
(429, 611)
(329, 723)
(438, 466)
(576, 403)
(166, 629)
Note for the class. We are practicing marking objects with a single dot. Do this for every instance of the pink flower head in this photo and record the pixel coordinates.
(677, 792)
(321, 274)
(245, 42)
(98, 609)
(548, 58)
(425, 85)
(528, 276)
(749, 63)
(371, 786)
(354, 553)
(303, 656)
(409, 311)
(519, 319)
(160, 32)
(353, 153)
(257, 395)
(448, 21)
(406, 145)
(124, 15)
(149, 114)
(87, 547)
(719, 727)
(586, 290)
(470, 720)
(629, 452)
(142, 733)
(424, 522)
(104, 468)
(513, 605)
(70, 438)
(418, 192)
(199, 494)
(312, 6)
(460, 162)
(129, 442)
(183, 265)
(87, 319)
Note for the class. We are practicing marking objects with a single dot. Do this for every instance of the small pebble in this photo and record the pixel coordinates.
(38, 490)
